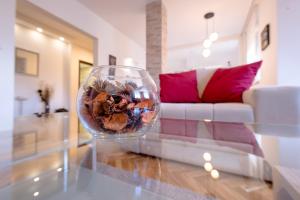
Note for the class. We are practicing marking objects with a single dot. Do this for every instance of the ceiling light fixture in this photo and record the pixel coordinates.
(207, 43)
(213, 36)
(59, 169)
(38, 29)
(36, 179)
(36, 194)
(210, 38)
(61, 39)
(206, 53)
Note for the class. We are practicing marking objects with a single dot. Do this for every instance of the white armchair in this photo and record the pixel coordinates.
(274, 104)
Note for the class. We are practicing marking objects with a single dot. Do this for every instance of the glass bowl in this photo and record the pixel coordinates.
(117, 102)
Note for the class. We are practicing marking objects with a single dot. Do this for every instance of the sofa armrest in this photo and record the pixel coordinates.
(274, 104)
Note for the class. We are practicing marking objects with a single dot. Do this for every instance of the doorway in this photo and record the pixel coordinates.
(65, 56)
(84, 70)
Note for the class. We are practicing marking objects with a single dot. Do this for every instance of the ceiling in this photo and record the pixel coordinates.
(186, 24)
(31, 16)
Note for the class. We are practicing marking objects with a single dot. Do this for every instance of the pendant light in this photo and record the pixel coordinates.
(210, 38)
(207, 43)
(214, 35)
(206, 53)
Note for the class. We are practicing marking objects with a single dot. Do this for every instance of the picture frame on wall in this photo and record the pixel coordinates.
(26, 62)
(112, 60)
(265, 37)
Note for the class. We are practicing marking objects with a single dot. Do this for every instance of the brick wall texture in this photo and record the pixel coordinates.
(156, 38)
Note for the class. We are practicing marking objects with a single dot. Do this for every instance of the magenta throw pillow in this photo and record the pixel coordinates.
(228, 84)
(179, 87)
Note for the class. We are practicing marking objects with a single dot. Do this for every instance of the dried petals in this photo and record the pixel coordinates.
(111, 107)
(99, 104)
(130, 106)
(115, 122)
(148, 116)
(145, 104)
(101, 97)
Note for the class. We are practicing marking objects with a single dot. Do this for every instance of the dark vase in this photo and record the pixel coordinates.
(47, 108)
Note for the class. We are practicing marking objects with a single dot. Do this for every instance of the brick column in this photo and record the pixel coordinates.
(156, 38)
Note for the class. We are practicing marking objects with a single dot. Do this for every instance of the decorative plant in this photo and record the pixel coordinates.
(45, 93)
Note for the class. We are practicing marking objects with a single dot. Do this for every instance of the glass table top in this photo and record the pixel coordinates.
(176, 159)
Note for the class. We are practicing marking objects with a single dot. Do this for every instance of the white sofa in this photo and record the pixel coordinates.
(262, 104)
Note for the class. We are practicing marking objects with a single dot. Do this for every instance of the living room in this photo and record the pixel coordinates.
(158, 99)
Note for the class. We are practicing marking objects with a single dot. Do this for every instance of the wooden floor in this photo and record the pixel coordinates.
(193, 178)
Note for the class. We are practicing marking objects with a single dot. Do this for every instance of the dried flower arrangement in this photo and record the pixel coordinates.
(45, 93)
(113, 108)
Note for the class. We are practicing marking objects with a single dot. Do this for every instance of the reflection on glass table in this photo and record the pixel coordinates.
(176, 159)
(76, 183)
(33, 137)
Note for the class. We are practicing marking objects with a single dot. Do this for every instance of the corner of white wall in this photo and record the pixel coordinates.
(7, 57)
(267, 14)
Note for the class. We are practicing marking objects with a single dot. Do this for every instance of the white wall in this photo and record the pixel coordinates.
(188, 57)
(58, 67)
(288, 14)
(7, 69)
(280, 59)
(53, 71)
(262, 13)
(111, 41)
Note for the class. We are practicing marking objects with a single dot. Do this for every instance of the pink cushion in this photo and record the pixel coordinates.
(228, 85)
(179, 87)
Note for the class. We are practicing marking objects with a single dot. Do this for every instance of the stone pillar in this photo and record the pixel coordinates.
(156, 38)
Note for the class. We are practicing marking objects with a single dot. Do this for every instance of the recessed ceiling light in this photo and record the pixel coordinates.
(61, 39)
(39, 29)
(36, 194)
(36, 179)
(59, 169)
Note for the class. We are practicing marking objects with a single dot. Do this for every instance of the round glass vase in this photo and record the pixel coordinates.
(117, 102)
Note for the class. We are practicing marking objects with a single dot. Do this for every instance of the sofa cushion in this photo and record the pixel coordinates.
(228, 85)
(179, 87)
(199, 111)
(233, 112)
(172, 110)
